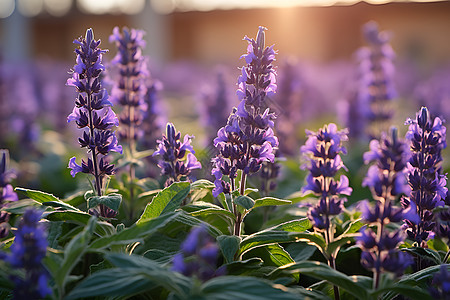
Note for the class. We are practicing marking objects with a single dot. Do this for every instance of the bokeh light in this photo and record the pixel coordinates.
(58, 8)
(30, 8)
(6, 8)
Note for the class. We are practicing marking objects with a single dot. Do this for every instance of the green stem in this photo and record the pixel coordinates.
(98, 184)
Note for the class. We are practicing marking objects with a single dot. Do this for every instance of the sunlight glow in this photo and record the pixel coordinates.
(168, 6)
(111, 6)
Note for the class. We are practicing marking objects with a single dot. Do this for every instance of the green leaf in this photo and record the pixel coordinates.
(333, 247)
(425, 253)
(243, 287)
(39, 196)
(279, 257)
(229, 245)
(250, 190)
(202, 184)
(321, 271)
(226, 202)
(132, 275)
(112, 282)
(19, 207)
(216, 210)
(111, 200)
(149, 194)
(411, 292)
(354, 227)
(134, 233)
(168, 200)
(245, 201)
(76, 217)
(79, 218)
(73, 253)
(46, 199)
(270, 201)
(60, 204)
(187, 219)
(291, 231)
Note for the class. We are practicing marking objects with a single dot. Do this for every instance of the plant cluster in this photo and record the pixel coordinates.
(176, 236)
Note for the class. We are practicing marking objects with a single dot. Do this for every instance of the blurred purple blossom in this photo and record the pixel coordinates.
(129, 88)
(387, 181)
(198, 256)
(368, 105)
(27, 251)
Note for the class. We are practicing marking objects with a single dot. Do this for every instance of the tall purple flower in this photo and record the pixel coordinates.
(27, 251)
(198, 256)
(129, 89)
(92, 112)
(7, 193)
(178, 159)
(377, 85)
(248, 138)
(323, 149)
(387, 181)
(425, 178)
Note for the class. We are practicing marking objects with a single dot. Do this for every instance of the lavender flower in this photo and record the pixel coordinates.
(92, 111)
(323, 148)
(198, 256)
(27, 251)
(427, 136)
(248, 139)
(7, 193)
(178, 159)
(130, 88)
(376, 73)
(386, 179)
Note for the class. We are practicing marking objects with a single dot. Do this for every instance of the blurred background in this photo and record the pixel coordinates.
(188, 43)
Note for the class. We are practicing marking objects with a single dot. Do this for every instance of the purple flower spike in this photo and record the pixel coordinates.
(177, 158)
(248, 140)
(371, 102)
(386, 180)
(323, 150)
(425, 178)
(27, 251)
(92, 112)
(130, 87)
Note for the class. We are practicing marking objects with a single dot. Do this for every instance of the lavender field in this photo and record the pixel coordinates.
(283, 178)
